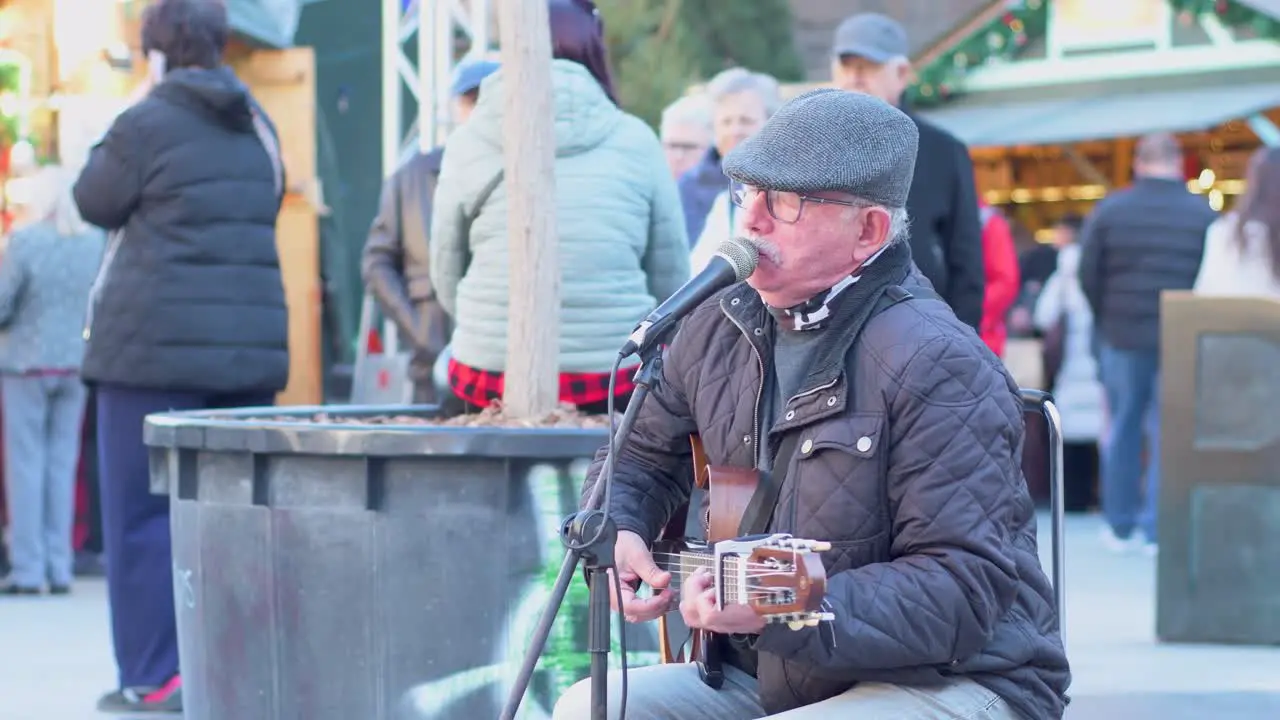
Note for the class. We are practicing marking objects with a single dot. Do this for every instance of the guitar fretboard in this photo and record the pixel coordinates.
(684, 564)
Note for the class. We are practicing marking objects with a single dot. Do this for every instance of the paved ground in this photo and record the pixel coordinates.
(54, 657)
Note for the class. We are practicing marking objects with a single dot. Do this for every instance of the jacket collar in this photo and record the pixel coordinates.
(823, 391)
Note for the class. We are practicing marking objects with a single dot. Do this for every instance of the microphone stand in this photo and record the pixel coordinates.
(589, 535)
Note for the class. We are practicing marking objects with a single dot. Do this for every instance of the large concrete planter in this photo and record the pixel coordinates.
(335, 562)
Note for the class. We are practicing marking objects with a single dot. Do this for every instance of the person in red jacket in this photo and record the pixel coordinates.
(1000, 261)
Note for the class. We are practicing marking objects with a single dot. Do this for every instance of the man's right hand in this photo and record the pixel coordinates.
(634, 565)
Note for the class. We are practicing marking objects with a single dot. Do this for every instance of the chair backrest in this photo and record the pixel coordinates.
(1042, 466)
(1035, 454)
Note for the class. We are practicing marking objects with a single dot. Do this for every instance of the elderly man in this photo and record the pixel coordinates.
(887, 429)
(686, 132)
(870, 55)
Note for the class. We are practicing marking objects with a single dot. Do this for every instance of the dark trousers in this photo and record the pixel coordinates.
(93, 541)
(135, 527)
(1080, 476)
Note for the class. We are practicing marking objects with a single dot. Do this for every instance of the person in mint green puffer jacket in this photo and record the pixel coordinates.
(620, 230)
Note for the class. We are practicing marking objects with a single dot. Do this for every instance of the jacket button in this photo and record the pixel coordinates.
(831, 401)
(758, 331)
(746, 439)
(864, 443)
(791, 414)
(806, 447)
(735, 301)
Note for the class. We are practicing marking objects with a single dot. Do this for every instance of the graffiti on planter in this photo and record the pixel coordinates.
(564, 661)
(186, 589)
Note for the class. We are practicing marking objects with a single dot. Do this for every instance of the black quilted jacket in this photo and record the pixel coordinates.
(933, 571)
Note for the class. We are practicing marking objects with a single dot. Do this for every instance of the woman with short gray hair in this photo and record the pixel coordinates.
(741, 102)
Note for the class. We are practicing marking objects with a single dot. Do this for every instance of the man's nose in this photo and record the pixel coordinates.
(755, 215)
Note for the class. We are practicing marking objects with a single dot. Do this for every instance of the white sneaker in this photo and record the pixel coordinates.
(1117, 544)
(1145, 544)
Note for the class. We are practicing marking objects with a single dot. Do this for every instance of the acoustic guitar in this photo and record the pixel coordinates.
(780, 577)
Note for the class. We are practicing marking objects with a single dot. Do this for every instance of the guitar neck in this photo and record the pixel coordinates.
(686, 562)
(778, 576)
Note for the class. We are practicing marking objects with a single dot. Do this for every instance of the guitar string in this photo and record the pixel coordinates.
(708, 561)
(761, 573)
(750, 572)
(686, 564)
(701, 561)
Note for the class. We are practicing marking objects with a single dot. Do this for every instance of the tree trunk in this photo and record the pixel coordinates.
(533, 325)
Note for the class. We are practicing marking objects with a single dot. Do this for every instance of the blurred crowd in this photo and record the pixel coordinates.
(148, 280)
(1085, 304)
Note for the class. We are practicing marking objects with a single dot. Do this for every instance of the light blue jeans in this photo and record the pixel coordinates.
(1132, 382)
(42, 416)
(675, 692)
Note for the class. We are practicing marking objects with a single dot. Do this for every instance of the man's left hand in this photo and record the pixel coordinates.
(698, 607)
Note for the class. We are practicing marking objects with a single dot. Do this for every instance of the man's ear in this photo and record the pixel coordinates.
(906, 73)
(873, 233)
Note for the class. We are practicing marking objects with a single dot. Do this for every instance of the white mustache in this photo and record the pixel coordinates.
(765, 248)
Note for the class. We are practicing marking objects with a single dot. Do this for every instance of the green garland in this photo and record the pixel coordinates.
(1003, 39)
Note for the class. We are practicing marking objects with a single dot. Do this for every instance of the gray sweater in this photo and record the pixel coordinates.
(44, 292)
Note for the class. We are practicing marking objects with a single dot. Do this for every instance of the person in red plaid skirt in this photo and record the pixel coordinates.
(622, 242)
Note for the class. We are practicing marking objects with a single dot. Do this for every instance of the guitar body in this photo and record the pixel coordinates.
(729, 491)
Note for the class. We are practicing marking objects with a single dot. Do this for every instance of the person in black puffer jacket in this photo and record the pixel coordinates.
(188, 310)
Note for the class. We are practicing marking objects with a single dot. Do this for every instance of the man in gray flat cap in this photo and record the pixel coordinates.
(870, 56)
(873, 420)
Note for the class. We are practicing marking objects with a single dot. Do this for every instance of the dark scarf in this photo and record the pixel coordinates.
(886, 267)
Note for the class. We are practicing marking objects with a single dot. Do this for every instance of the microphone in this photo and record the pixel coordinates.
(733, 262)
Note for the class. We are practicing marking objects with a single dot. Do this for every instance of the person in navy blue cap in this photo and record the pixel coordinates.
(395, 262)
(466, 84)
(870, 54)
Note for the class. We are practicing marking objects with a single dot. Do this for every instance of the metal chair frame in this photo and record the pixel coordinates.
(1039, 401)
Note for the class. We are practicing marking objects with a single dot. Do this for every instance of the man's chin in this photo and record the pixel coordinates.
(769, 288)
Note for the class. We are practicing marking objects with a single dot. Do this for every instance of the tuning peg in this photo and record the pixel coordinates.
(796, 624)
(819, 546)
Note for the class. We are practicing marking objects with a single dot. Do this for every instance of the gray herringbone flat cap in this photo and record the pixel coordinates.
(834, 141)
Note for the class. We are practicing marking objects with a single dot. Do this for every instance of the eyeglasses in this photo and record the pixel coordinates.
(682, 147)
(785, 207)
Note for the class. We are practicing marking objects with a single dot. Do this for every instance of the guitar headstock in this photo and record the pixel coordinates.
(780, 577)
